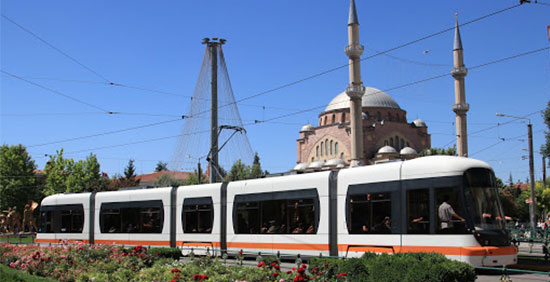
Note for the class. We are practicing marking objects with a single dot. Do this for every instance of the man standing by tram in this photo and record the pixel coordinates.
(446, 215)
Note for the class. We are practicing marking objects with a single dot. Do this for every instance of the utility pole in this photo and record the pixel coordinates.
(533, 202)
(213, 49)
(544, 172)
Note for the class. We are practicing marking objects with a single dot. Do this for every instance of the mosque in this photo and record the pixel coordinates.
(384, 133)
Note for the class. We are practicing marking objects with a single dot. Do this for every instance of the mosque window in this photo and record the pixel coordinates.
(402, 143)
(336, 148)
(317, 149)
(331, 145)
(326, 120)
(389, 116)
(320, 121)
(326, 147)
(378, 116)
(397, 143)
(333, 118)
(343, 117)
(391, 141)
(322, 145)
(312, 159)
(342, 156)
(385, 142)
(408, 144)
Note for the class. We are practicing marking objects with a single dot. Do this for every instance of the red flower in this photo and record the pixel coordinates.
(273, 264)
(173, 280)
(177, 276)
(294, 268)
(301, 270)
(304, 266)
(196, 277)
(342, 274)
(174, 270)
(204, 277)
(261, 264)
(326, 265)
(298, 278)
(277, 267)
(275, 274)
(288, 272)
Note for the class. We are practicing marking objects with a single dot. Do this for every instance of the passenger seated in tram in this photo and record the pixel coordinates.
(384, 227)
(273, 228)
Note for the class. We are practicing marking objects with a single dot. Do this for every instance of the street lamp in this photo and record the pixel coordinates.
(531, 169)
(199, 172)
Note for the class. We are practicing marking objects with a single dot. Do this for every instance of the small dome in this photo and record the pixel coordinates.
(336, 162)
(300, 167)
(386, 150)
(373, 98)
(408, 151)
(307, 128)
(419, 123)
(316, 165)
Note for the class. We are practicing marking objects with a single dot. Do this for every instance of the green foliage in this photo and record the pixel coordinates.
(18, 182)
(173, 253)
(11, 275)
(193, 178)
(130, 170)
(438, 151)
(398, 267)
(240, 171)
(161, 166)
(167, 180)
(65, 176)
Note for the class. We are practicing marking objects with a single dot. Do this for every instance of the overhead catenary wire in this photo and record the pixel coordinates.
(319, 107)
(56, 49)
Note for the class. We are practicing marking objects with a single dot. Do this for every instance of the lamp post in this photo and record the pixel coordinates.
(531, 170)
(199, 172)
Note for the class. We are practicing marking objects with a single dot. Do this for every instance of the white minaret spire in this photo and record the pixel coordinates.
(355, 88)
(460, 107)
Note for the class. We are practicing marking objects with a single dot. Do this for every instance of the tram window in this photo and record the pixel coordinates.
(418, 211)
(46, 221)
(198, 215)
(292, 212)
(443, 223)
(132, 217)
(369, 213)
(62, 219)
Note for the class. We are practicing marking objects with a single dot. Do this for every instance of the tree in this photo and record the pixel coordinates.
(239, 171)
(130, 170)
(438, 151)
(256, 171)
(510, 180)
(63, 175)
(161, 166)
(18, 183)
(128, 180)
(166, 180)
(193, 178)
(57, 170)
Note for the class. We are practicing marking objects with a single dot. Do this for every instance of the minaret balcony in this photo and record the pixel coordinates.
(459, 72)
(355, 91)
(461, 108)
(354, 50)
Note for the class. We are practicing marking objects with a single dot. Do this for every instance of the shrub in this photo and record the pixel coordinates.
(173, 253)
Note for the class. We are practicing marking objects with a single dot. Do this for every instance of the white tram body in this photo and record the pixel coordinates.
(384, 208)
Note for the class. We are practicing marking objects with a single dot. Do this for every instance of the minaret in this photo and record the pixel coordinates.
(355, 88)
(460, 107)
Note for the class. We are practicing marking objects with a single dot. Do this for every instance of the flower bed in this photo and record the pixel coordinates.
(81, 262)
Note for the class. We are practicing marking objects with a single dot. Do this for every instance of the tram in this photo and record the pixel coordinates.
(384, 208)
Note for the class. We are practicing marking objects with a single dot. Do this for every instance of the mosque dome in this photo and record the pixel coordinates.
(307, 128)
(300, 167)
(316, 165)
(386, 150)
(419, 123)
(336, 162)
(373, 98)
(408, 151)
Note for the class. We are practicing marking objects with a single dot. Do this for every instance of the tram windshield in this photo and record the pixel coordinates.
(482, 195)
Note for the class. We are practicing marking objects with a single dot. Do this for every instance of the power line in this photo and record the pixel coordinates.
(105, 133)
(55, 48)
(56, 92)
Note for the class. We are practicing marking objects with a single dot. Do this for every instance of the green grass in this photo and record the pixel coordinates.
(8, 274)
(15, 239)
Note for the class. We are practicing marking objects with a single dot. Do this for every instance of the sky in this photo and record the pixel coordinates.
(157, 45)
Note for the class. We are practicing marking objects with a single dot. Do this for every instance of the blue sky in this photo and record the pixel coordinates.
(157, 45)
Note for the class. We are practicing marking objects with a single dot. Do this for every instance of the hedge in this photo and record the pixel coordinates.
(429, 267)
(173, 253)
(8, 274)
